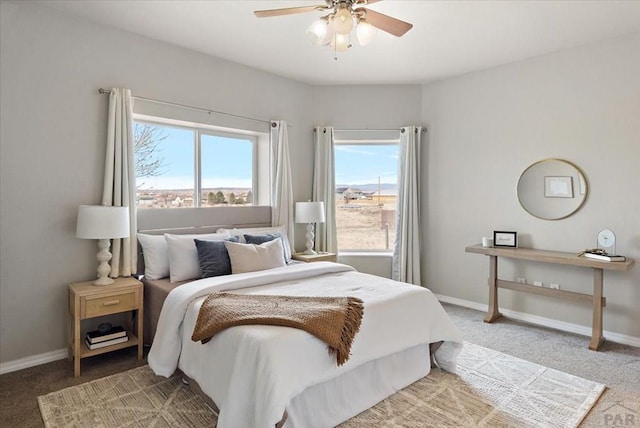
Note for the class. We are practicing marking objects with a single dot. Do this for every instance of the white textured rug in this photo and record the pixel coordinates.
(491, 389)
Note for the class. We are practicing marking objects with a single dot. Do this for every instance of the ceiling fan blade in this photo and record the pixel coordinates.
(386, 23)
(287, 11)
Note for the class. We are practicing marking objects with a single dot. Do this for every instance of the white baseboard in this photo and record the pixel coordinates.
(546, 322)
(34, 360)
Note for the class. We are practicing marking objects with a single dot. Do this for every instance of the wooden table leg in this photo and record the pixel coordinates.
(69, 336)
(493, 313)
(76, 346)
(140, 333)
(596, 327)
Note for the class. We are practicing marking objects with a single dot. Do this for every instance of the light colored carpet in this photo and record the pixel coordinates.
(490, 389)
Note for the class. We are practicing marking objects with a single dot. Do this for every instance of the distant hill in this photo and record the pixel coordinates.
(385, 188)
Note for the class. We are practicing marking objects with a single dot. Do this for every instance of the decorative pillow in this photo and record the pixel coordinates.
(183, 255)
(155, 254)
(262, 231)
(252, 257)
(214, 257)
(261, 239)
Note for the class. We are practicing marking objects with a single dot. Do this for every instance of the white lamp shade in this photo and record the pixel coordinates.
(317, 32)
(365, 32)
(343, 21)
(328, 37)
(309, 212)
(102, 222)
(341, 42)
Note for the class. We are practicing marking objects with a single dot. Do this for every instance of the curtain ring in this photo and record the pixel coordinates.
(274, 124)
(402, 130)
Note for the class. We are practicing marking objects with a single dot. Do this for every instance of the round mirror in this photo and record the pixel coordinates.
(552, 189)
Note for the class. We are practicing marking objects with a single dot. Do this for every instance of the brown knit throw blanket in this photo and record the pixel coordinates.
(334, 320)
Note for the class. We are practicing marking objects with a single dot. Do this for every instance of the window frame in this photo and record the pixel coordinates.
(200, 129)
(365, 138)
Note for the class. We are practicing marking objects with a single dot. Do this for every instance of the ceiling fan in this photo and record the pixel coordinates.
(334, 28)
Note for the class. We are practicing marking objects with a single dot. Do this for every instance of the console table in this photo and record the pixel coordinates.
(597, 298)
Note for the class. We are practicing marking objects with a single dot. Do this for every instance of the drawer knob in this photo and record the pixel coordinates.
(111, 302)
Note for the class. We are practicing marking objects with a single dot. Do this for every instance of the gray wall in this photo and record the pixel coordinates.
(366, 106)
(486, 128)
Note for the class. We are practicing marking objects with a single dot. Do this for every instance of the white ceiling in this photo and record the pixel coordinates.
(448, 38)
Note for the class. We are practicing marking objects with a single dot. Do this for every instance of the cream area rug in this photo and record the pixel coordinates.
(491, 389)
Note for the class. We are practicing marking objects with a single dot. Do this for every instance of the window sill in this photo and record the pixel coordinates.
(382, 254)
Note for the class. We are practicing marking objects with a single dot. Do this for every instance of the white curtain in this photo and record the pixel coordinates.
(281, 185)
(324, 189)
(120, 178)
(406, 251)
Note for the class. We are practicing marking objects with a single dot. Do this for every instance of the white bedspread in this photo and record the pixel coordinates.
(253, 372)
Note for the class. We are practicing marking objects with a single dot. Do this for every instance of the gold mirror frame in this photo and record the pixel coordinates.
(552, 189)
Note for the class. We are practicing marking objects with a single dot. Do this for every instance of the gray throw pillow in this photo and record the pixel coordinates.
(261, 239)
(213, 257)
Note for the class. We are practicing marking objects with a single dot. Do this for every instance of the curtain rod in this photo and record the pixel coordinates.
(363, 130)
(208, 111)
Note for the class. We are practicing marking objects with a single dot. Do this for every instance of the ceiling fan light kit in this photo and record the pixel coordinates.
(365, 32)
(334, 29)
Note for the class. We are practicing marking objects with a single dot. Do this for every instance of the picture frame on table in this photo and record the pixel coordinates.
(505, 239)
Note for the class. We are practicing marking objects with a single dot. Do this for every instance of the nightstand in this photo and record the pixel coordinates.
(90, 301)
(309, 258)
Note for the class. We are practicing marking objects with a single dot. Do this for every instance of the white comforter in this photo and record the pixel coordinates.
(253, 372)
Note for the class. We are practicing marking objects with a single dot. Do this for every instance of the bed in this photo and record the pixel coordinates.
(266, 376)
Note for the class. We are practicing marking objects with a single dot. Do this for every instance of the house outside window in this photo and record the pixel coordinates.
(366, 193)
(190, 166)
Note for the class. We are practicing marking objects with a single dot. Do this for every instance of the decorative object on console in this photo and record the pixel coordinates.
(604, 257)
(103, 223)
(605, 248)
(310, 213)
(505, 239)
(606, 241)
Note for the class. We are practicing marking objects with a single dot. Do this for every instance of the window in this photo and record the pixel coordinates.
(366, 194)
(191, 166)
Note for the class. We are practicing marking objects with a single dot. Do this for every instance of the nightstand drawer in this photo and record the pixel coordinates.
(93, 306)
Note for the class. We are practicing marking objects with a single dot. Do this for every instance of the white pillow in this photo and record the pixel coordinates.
(183, 254)
(155, 254)
(261, 231)
(252, 257)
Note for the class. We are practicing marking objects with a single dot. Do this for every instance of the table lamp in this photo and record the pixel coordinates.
(310, 213)
(103, 223)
